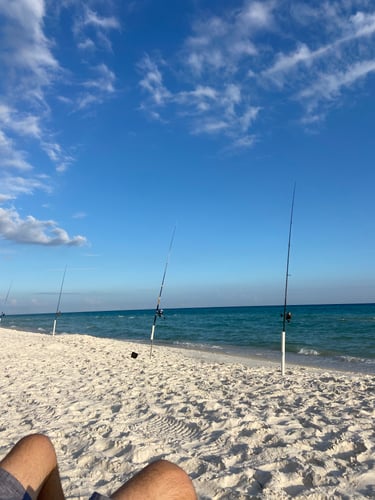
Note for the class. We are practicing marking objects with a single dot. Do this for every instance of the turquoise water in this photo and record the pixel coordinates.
(338, 336)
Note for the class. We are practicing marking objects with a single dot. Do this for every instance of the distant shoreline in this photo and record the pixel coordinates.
(166, 308)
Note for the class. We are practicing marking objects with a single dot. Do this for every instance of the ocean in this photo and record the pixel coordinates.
(329, 336)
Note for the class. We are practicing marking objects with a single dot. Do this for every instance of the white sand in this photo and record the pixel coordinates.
(240, 431)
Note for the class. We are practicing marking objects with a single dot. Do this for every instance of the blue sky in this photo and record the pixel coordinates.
(122, 119)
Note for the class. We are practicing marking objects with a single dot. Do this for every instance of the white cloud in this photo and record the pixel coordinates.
(204, 92)
(245, 142)
(33, 231)
(216, 94)
(30, 72)
(236, 61)
(19, 122)
(95, 19)
(210, 127)
(79, 215)
(57, 155)
(248, 117)
(5, 197)
(105, 80)
(223, 109)
(29, 68)
(26, 48)
(86, 44)
(32, 77)
(363, 23)
(152, 82)
(285, 62)
(10, 157)
(232, 62)
(328, 86)
(91, 28)
(346, 54)
(98, 88)
(351, 29)
(220, 44)
(15, 186)
(201, 99)
(231, 97)
(255, 16)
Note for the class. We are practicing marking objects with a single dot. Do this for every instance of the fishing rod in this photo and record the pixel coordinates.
(158, 311)
(286, 287)
(57, 314)
(5, 302)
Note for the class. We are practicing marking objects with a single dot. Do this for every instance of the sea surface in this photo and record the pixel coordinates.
(332, 336)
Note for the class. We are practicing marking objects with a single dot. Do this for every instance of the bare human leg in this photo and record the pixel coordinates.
(33, 462)
(160, 480)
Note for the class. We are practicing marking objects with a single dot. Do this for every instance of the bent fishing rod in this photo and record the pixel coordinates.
(158, 311)
(286, 286)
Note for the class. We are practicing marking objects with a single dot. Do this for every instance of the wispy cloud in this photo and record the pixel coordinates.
(220, 43)
(101, 22)
(219, 111)
(79, 215)
(316, 76)
(284, 63)
(99, 88)
(152, 81)
(10, 157)
(13, 186)
(91, 28)
(328, 86)
(248, 59)
(57, 155)
(217, 99)
(210, 110)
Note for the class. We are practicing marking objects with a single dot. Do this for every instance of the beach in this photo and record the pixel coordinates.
(235, 425)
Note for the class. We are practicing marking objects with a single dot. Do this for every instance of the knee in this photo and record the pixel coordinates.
(172, 474)
(40, 440)
(39, 444)
(166, 467)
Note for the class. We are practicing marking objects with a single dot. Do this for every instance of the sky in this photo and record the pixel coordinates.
(122, 120)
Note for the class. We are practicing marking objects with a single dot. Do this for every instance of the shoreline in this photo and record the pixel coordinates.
(328, 337)
(239, 431)
(262, 358)
(248, 355)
